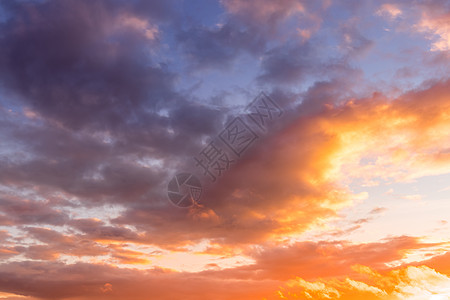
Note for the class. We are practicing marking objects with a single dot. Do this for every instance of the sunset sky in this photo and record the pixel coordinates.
(344, 192)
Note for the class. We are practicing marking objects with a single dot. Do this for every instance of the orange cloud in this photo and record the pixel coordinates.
(404, 283)
(402, 139)
(296, 178)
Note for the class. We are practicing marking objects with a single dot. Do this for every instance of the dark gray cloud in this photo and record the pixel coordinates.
(220, 46)
(67, 61)
(85, 71)
(16, 211)
(288, 64)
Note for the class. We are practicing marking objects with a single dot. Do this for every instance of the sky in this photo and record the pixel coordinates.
(232, 149)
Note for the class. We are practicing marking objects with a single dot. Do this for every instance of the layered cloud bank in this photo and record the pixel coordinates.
(345, 197)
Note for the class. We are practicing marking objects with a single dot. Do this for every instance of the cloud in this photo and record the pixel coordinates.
(257, 28)
(266, 10)
(414, 137)
(274, 267)
(218, 47)
(98, 112)
(64, 281)
(56, 244)
(272, 18)
(287, 65)
(438, 27)
(329, 259)
(83, 70)
(21, 211)
(96, 230)
(390, 10)
(402, 283)
(430, 18)
(306, 159)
